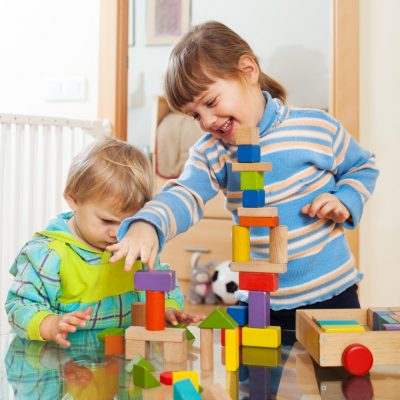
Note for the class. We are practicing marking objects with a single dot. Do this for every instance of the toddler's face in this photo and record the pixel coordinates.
(225, 106)
(96, 222)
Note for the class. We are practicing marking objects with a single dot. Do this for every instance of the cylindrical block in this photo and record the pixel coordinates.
(206, 349)
(240, 243)
(155, 311)
(278, 248)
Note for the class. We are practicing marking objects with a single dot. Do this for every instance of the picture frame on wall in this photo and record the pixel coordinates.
(167, 21)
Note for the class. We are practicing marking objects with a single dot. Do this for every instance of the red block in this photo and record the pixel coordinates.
(166, 377)
(113, 345)
(258, 281)
(155, 311)
(259, 221)
(223, 336)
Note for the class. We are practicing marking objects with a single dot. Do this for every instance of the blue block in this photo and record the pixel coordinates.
(253, 198)
(239, 314)
(243, 373)
(249, 153)
(184, 390)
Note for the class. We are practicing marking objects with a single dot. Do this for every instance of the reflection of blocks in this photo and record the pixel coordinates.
(232, 384)
(247, 136)
(258, 281)
(253, 198)
(258, 265)
(248, 153)
(161, 281)
(261, 337)
(240, 243)
(215, 392)
(113, 345)
(251, 180)
(259, 221)
(261, 356)
(259, 383)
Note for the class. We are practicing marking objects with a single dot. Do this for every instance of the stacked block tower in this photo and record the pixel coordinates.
(260, 276)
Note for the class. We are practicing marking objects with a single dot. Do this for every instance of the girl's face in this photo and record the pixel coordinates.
(229, 104)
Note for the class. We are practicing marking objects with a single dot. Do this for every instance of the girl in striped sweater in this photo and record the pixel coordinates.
(320, 181)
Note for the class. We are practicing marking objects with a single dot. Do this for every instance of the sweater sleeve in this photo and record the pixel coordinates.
(35, 288)
(355, 173)
(181, 202)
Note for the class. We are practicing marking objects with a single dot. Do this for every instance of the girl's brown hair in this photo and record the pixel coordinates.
(112, 169)
(206, 52)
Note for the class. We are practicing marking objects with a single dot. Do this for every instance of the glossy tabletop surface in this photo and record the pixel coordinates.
(36, 370)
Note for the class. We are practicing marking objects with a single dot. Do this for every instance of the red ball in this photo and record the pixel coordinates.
(357, 359)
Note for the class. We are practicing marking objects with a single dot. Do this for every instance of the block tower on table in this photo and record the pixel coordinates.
(260, 276)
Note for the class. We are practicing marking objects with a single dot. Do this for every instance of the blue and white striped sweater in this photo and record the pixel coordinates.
(311, 153)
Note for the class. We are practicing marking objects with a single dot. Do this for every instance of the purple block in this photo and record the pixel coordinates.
(160, 281)
(391, 327)
(259, 309)
(259, 383)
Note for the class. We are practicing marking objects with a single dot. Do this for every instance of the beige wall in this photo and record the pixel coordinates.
(380, 132)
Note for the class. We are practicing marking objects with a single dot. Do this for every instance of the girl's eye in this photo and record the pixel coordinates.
(107, 221)
(211, 103)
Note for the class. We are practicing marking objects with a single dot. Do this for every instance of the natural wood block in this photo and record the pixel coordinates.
(138, 314)
(259, 221)
(251, 180)
(247, 136)
(232, 349)
(135, 347)
(175, 352)
(206, 349)
(261, 337)
(240, 243)
(113, 345)
(215, 392)
(258, 266)
(278, 244)
(155, 310)
(166, 335)
(260, 167)
(257, 211)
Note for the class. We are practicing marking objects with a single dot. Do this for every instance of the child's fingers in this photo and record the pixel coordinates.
(74, 320)
(114, 247)
(152, 257)
(131, 258)
(305, 209)
(326, 209)
(61, 339)
(171, 317)
(316, 205)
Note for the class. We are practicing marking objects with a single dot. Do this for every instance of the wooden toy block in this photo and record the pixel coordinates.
(166, 377)
(110, 331)
(252, 166)
(239, 314)
(240, 243)
(223, 336)
(257, 211)
(184, 390)
(251, 180)
(215, 392)
(139, 360)
(391, 327)
(396, 317)
(135, 347)
(192, 375)
(259, 309)
(247, 136)
(261, 356)
(206, 349)
(336, 322)
(248, 153)
(253, 198)
(258, 281)
(159, 281)
(342, 328)
(258, 265)
(278, 244)
(155, 310)
(262, 337)
(259, 383)
(138, 314)
(232, 349)
(259, 221)
(357, 359)
(113, 345)
(175, 352)
(232, 384)
(167, 335)
(189, 334)
(143, 378)
(218, 319)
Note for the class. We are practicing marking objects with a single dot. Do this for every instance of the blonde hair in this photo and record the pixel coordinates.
(208, 51)
(111, 168)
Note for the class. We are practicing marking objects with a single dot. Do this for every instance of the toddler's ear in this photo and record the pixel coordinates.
(249, 65)
(71, 202)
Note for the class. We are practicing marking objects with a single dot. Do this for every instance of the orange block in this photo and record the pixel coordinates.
(155, 310)
(258, 281)
(113, 345)
(259, 221)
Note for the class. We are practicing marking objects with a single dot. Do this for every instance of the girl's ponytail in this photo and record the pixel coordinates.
(275, 89)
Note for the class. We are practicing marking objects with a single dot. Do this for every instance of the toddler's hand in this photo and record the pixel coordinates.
(141, 240)
(57, 327)
(327, 206)
(174, 316)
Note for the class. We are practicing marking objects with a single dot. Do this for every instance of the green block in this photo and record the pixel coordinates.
(337, 322)
(144, 378)
(251, 180)
(219, 319)
(135, 394)
(189, 334)
(110, 332)
(139, 360)
(261, 356)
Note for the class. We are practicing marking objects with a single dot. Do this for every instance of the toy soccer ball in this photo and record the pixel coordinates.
(225, 283)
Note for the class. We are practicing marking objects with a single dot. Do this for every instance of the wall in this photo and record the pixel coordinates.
(46, 39)
(380, 132)
(292, 40)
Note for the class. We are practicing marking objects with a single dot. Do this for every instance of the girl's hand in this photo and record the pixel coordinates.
(327, 206)
(174, 316)
(141, 240)
(57, 327)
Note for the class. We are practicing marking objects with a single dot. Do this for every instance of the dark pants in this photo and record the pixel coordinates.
(286, 319)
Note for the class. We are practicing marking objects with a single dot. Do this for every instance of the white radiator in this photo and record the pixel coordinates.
(35, 154)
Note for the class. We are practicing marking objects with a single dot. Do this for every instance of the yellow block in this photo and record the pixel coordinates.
(261, 337)
(342, 328)
(262, 357)
(232, 384)
(231, 349)
(240, 243)
(192, 375)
